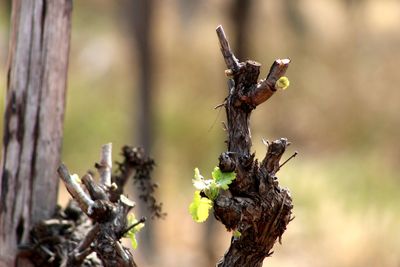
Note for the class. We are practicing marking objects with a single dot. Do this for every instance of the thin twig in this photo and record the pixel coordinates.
(286, 161)
(105, 165)
(90, 236)
(78, 255)
(96, 192)
(75, 189)
(142, 220)
(230, 60)
(219, 105)
(122, 253)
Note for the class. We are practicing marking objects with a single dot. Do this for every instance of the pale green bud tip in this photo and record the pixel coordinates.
(236, 234)
(282, 83)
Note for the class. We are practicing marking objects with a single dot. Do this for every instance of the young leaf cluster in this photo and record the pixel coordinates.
(200, 206)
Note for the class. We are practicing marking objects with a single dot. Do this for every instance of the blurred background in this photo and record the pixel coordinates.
(149, 73)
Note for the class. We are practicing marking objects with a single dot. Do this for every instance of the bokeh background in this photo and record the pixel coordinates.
(341, 112)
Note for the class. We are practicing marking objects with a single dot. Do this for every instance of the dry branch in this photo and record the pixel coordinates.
(70, 238)
(109, 218)
(230, 59)
(105, 165)
(75, 189)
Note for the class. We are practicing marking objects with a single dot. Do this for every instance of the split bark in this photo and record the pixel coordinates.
(255, 204)
(33, 124)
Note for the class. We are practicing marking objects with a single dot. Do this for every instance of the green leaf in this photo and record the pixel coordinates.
(236, 234)
(200, 207)
(132, 233)
(223, 179)
(133, 239)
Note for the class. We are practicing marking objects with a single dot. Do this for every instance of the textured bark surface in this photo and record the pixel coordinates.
(108, 221)
(88, 232)
(255, 204)
(33, 124)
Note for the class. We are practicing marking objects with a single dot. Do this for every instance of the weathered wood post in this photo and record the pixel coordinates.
(33, 124)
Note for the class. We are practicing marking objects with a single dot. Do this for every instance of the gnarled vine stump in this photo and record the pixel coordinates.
(255, 204)
(88, 231)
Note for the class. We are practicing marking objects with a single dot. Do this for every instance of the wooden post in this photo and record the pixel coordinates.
(33, 124)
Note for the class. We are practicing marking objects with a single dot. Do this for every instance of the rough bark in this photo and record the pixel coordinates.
(242, 10)
(109, 219)
(255, 204)
(33, 124)
(88, 231)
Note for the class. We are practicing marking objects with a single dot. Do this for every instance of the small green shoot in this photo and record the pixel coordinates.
(236, 234)
(223, 179)
(282, 83)
(131, 234)
(200, 206)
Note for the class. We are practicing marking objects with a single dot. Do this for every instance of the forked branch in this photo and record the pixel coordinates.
(256, 92)
(97, 218)
(256, 207)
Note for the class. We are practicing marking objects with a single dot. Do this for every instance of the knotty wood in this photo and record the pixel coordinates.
(255, 205)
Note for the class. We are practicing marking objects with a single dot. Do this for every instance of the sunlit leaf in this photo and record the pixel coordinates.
(223, 179)
(200, 207)
(132, 232)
